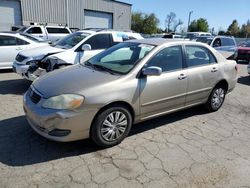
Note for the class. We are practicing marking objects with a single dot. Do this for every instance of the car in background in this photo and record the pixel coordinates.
(172, 36)
(12, 43)
(226, 45)
(51, 33)
(194, 35)
(128, 83)
(244, 52)
(75, 48)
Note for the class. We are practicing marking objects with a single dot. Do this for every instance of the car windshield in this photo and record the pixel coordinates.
(33, 38)
(204, 40)
(121, 58)
(71, 40)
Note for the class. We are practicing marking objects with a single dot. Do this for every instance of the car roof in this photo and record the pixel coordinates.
(161, 41)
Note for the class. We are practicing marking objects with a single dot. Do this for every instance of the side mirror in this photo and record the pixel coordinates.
(152, 71)
(86, 47)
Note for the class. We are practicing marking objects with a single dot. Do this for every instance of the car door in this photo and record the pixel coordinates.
(203, 73)
(9, 48)
(98, 43)
(159, 94)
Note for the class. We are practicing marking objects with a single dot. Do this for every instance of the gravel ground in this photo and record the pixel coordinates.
(190, 148)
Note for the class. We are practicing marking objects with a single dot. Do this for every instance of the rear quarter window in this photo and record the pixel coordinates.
(54, 30)
(228, 42)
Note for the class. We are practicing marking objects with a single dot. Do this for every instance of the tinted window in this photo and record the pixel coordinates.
(217, 42)
(100, 41)
(35, 30)
(168, 59)
(57, 30)
(198, 56)
(21, 42)
(7, 41)
(228, 42)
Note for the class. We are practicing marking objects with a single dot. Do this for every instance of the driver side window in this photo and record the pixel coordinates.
(168, 59)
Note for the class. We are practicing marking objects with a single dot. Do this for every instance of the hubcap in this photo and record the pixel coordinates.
(114, 126)
(218, 98)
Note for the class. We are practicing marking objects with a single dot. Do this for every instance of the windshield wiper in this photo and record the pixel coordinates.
(100, 67)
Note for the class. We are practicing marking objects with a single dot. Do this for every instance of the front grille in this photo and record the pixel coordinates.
(20, 58)
(34, 96)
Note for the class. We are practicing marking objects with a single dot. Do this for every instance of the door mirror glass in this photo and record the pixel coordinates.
(152, 71)
(86, 47)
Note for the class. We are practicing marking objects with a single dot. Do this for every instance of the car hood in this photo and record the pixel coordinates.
(74, 79)
(41, 51)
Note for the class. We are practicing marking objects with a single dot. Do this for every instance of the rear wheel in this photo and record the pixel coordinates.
(216, 99)
(111, 126)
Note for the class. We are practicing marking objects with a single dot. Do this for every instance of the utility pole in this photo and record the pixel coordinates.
(189, 18)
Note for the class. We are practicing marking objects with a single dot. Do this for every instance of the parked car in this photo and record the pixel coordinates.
(224, 44)
(244, 52)
(51, 33)
(12, 43)
(172, 36)
(194, 35)
(128, 83)
(74, 48)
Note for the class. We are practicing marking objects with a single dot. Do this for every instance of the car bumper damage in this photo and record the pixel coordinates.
(58, 125)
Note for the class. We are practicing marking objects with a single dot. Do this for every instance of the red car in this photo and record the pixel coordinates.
(244, 52)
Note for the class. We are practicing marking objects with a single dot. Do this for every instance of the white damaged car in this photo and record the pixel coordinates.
(75, 48)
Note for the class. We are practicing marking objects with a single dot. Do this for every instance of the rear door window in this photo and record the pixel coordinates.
(21, 42)
(54, 30)
(35, 30)
(199, 56)
(7, 41)
(99, 41)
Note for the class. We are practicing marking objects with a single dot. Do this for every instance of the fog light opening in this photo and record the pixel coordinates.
(59, 132)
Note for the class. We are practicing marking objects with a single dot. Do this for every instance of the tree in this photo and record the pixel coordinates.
(171, 23)
(200, 25)
(234, 29)
(144, 23)
(169, 20)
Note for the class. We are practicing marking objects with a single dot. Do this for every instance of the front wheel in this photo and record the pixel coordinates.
(111, 126)
(216, 99)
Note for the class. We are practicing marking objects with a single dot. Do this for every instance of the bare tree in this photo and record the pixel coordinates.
(177, 24)
(170, 19)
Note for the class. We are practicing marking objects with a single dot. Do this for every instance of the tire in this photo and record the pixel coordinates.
(111, 126)
(216, 99)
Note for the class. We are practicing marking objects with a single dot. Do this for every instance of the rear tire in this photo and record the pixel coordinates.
(216, 99)
(111, 126)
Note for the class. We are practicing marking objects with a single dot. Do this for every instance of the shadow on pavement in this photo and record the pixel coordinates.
(245, 80)
(6, 71)
(16, 87)
(21, 146)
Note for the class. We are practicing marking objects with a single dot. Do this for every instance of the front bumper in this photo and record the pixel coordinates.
(21, 69)
(74, 125)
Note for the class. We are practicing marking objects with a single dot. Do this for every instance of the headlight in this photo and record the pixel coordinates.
(64, 102)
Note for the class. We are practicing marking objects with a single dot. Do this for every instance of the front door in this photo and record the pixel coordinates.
(160, 94)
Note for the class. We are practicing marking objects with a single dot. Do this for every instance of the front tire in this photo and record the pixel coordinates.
(216, 99)
(111, 126)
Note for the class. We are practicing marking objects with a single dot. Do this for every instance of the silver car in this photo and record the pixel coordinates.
(130, 82)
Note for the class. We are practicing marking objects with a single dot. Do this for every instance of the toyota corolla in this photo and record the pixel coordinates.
(128, 83)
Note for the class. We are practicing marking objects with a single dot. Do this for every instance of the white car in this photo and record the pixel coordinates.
(75, 48)
(51, 33)
(12, 43)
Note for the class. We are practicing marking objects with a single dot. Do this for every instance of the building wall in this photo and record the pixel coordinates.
(71, 12)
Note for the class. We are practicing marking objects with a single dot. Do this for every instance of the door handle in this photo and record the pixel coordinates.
(214, 69)
(18, 48)
(182, 77)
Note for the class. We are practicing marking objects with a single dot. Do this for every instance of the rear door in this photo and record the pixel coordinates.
(98, 43)
(203, 73)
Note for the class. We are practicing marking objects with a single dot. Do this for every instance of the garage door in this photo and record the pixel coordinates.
(95, 19)
(10, 14)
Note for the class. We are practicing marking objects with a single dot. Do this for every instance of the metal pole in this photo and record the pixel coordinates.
(189, 18)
